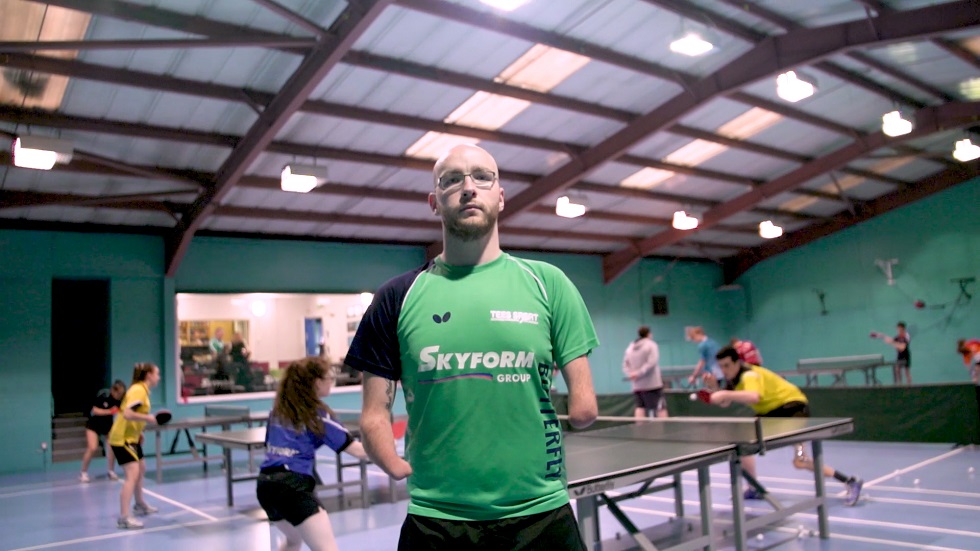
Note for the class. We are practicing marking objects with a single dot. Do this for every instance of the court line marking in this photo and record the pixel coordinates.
(833, 535)
(831, 518)
(176, 503)
(123, 534)
(911, 468)
(808, 481)
(845, 520)
(47, 490)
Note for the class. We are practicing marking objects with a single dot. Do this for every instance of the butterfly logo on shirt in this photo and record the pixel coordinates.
(441, 319)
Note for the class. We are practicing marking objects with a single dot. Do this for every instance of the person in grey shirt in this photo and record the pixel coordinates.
(641, 364)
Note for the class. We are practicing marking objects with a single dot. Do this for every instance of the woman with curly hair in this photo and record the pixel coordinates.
(299, 424)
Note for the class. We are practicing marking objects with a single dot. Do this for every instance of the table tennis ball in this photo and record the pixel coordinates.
(916, 482)
(759, 537)
(971, 470)
(693, 396)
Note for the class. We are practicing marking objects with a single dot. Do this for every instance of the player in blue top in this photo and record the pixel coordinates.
(299, 424)
(707, 350)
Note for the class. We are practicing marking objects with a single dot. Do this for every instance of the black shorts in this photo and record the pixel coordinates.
(792, 409)
(98, 428)
(650, 400)
(128, 453)
(285, 495)
(554, 530)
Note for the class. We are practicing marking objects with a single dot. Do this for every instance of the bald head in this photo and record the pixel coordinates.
(464, 158)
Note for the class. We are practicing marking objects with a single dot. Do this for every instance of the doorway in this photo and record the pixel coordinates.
(79, 343)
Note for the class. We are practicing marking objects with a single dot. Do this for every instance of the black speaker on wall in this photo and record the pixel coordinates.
(659, 305)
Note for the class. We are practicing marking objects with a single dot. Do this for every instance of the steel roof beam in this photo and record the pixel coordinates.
(51, 120)
(163, 43)
(349, 26)
(838, 71)
(929, 120)
(166, 19)
(393, 119)
(740, 263)
(492, 22)
(767, 58)
(199, 25)
(950, 47)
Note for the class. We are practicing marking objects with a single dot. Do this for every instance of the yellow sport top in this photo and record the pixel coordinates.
(123, 431)
(774, 391)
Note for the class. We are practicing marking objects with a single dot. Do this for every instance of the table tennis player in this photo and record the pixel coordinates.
(126, 439)
(769, 395)
(299, 424)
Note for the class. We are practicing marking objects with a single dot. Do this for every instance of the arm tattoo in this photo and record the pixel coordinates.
(390, 392)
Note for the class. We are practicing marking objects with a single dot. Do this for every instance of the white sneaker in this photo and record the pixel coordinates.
(112, 475)
(141, 510)
(84, 477)
(129, 523)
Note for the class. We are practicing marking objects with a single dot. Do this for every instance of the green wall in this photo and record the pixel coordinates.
(934, 240)
(29, 261)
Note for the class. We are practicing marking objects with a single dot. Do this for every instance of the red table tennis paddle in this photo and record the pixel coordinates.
(164, 416)
(704, 395)
(114, 410)
(875, 335)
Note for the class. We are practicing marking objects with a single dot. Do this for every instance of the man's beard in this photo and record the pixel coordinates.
(471, 228)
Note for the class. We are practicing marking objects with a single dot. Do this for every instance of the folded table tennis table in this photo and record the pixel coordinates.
(640, 452)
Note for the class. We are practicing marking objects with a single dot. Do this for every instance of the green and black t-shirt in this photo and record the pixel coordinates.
(474, 348)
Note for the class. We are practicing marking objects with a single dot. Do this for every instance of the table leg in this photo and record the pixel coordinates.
(738, 504)
(157, 440)
(204, 450)
(818, 483)
(704, 493)
(678, 496)
(588, 522)
(340, 473)
(228, 476)
(364, 484)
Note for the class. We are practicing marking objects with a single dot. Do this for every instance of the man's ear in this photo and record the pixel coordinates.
(432, 204)
(501, 198)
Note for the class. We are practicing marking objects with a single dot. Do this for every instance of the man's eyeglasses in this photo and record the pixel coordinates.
(483, 179)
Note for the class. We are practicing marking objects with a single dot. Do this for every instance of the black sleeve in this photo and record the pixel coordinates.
(375, 347)
(102, 399)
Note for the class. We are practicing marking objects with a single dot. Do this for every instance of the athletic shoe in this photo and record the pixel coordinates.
(752, 493)
(143, 509)
(128, 523)
(854, 486)
(84, 477)
(112, 476)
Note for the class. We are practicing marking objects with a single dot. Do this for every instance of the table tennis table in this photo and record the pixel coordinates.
(223, 419)
(253, 439)
(838, 368)
(643, 451)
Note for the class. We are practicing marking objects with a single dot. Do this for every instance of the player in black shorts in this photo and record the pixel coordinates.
(99, 422)
(769, 395)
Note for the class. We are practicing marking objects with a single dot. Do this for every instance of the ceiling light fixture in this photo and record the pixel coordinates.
(793, 88)
(302, 178)
(505, 5)
(769, 230)
(966, 151)
(691, 44)
(41, 153)
(684, 222)
(568, 208)
(892, 124)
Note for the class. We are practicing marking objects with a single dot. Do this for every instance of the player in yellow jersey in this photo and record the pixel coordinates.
(126, 439)
(769, 395)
